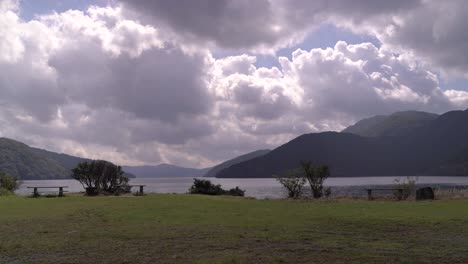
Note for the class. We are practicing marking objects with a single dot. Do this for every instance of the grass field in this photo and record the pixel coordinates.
(206, 229)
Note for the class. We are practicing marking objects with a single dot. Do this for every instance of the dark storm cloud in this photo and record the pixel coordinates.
(162, 83)
(245, 24)
(232, 24)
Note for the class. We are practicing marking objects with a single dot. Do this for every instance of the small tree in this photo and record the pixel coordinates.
(293, 182)
(8, 184)
(315, 177)
(100, 176)
(206, 187)
(408, 186)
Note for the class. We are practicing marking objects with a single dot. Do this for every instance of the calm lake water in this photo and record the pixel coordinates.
(259, 188)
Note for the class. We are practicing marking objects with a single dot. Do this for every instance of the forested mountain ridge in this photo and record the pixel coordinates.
(18, 159)
(436, 147)
(396, 124)
(254, 154)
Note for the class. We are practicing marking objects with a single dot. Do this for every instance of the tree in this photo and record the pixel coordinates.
(100, 176)
(293, 182)
(8, 184)
(315, 177)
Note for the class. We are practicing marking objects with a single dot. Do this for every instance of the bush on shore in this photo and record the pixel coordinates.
(294, 182)
(408, 186)
(8, 184)
(208, 188)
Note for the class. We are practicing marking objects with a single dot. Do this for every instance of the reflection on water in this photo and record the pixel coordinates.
(259, 188)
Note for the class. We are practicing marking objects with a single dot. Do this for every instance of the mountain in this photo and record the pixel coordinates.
(164, 170)
(18, 159)
(67, 161)
(436, 147)
(27, 163)
(396, 124)
(254, 154)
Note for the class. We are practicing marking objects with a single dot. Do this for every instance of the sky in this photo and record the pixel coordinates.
(196, 82)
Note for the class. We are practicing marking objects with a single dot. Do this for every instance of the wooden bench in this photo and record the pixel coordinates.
(141, 187)
(36, 189)
(141, 192)
(369, 192)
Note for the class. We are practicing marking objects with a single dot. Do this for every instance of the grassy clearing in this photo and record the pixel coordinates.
(207, 229)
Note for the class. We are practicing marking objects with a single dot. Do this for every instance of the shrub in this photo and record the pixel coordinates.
(206, 187)
(408, 186)
(293, 182)
(315, 177)
(236, 192)
(5, 192)
(327, 192)
(8, 184)
(99, 176)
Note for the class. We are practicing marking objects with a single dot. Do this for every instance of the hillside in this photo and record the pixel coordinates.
(68, 161)
(216, 169)
(18, 159)
(436, 148)
(164, 170)
(27, 163)
(396, 124)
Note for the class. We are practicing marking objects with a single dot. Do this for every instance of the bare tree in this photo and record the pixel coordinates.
(293, 182)
(315, 177)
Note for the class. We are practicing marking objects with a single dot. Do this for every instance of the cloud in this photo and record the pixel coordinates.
(325, 87)
(436, 31)
(224, 23)
(100, 83)
(98, 79)
(262, 25)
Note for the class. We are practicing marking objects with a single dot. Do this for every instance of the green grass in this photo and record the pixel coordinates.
(206, 229)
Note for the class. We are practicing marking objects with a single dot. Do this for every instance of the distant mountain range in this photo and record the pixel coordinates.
(405, 143)
(164, 170)
(213, 172)
(28, 163)
(168, 170)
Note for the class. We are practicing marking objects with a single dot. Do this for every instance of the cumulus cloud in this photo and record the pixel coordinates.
(262, 25)
(322, 86)
(226, 23)
(103, 84)
(96, 78)
(435, 30)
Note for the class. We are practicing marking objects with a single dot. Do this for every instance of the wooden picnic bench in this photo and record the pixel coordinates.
(141, 187)
(36, 189)
(369, 192)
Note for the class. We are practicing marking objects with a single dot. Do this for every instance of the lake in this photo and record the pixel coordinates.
(259, 188)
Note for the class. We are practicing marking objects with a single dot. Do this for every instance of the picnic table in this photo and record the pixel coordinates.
(36, 189)
(140, 186)
(369, 192)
